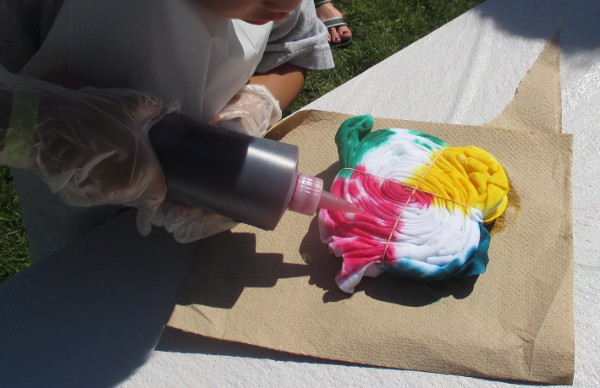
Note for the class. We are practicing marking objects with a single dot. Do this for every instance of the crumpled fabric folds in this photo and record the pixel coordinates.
(424, 205)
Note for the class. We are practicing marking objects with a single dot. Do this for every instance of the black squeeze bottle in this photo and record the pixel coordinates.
(249, 179)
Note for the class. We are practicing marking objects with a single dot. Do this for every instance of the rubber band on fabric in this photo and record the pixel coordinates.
(410, 197)
(408, 200)
(21, 128)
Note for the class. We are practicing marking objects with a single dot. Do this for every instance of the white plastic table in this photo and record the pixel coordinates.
(91, 314)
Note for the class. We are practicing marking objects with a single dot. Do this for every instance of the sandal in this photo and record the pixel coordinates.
(333, 23)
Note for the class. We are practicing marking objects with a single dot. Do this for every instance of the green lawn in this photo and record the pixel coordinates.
(380, 28)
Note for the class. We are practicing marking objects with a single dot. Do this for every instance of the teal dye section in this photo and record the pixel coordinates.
(349, 135)
(423, 144)
(478, 258)
(432, 139)
(428, 145)
(370, 143)
(354, 139)
(416, 269)
(476, 264)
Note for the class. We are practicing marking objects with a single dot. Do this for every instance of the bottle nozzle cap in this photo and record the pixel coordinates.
(309, 195)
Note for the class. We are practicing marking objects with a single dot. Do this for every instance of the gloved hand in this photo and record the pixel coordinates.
(89, 145)
(187, 224)
(251, 111)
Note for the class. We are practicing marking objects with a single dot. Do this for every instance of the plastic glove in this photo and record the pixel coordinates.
(251, 111)
(187, 224)
(89, 145)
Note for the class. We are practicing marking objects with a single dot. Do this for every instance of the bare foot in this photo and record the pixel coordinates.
(337, 34)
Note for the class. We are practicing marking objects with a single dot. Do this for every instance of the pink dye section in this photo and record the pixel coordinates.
(360, 239)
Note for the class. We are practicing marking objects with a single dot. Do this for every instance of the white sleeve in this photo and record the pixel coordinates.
(299, 39)
(24, 25)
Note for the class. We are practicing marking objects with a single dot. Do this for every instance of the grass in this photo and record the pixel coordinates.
(14, 255)
(380, 28)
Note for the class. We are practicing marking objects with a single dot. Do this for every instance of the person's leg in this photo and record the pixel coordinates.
(285, 82)
(339, 32)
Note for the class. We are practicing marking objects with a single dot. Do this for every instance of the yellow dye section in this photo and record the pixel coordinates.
(463, 176)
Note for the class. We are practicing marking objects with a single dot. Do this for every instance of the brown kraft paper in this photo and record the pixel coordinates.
(515, 322)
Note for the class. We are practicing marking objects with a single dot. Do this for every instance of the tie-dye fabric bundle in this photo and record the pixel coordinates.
(424, 205)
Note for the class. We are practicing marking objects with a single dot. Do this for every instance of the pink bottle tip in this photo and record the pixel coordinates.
(309, 195)
(331, 202)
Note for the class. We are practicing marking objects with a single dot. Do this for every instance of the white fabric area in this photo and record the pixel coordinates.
(465, 72)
